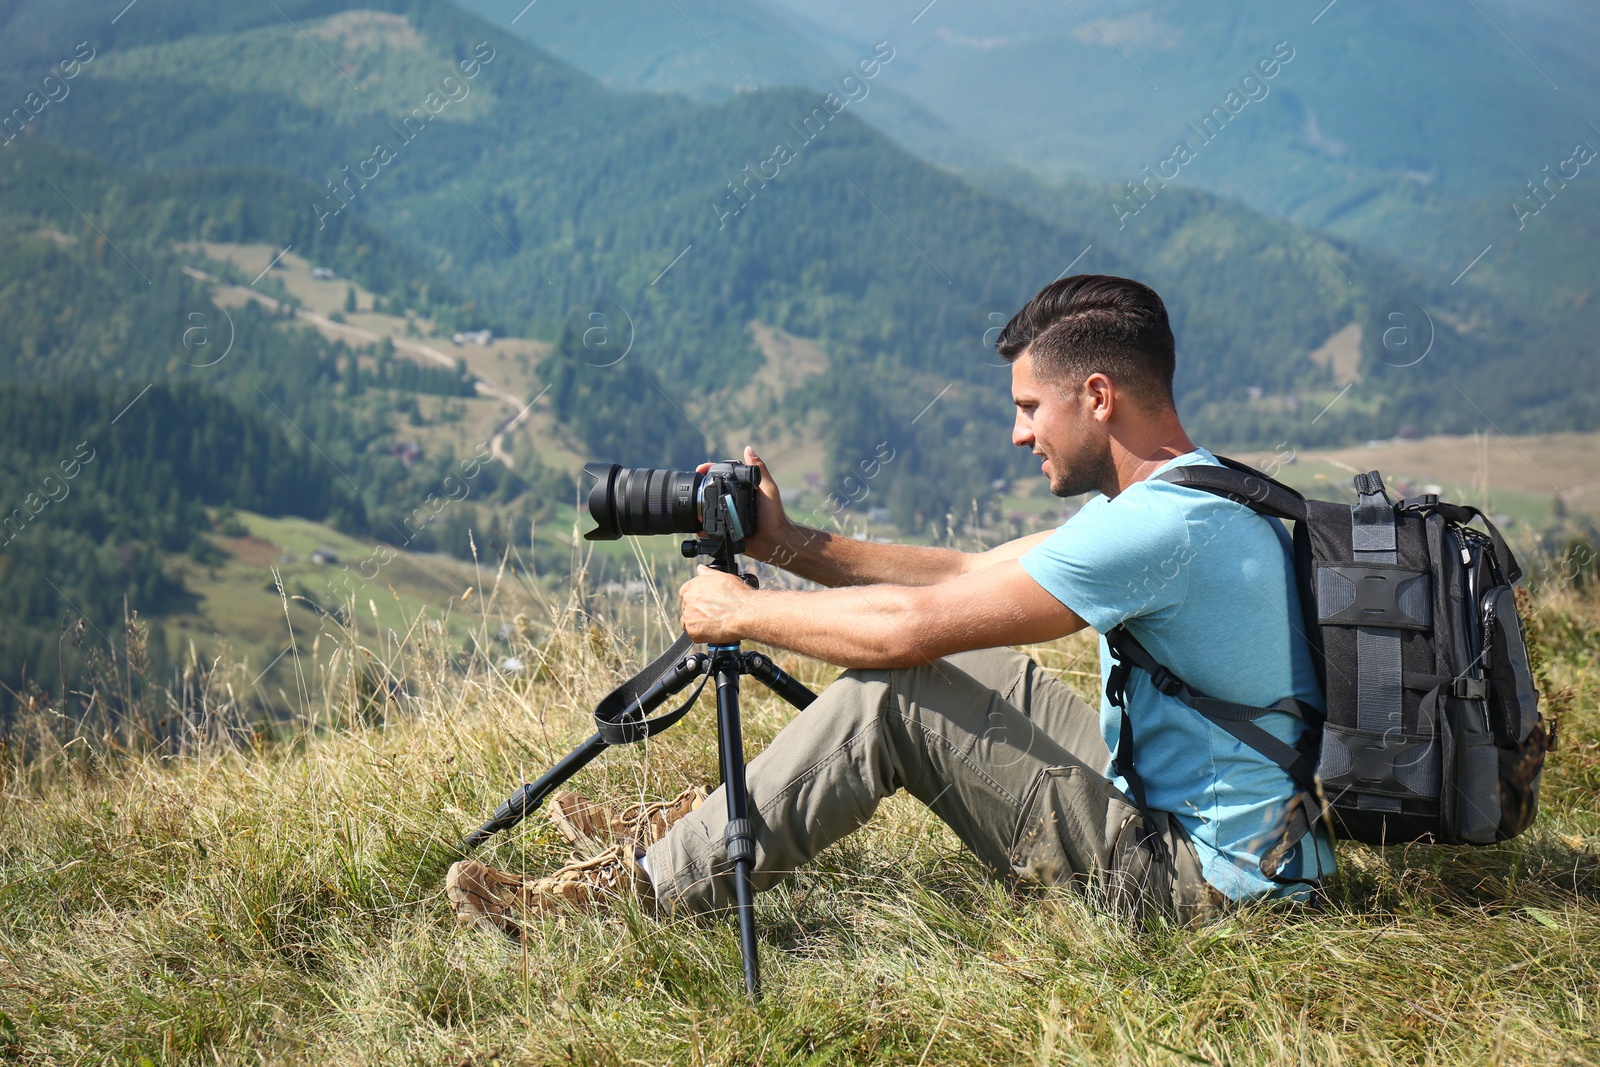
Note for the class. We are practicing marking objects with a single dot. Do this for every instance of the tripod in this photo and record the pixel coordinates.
(621, 718)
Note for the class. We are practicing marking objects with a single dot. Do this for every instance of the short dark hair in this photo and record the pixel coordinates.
(1097, 323)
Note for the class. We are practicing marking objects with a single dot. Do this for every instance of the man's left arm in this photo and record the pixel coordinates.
(880, 625)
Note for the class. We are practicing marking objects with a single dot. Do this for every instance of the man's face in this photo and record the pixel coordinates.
(1057, 422)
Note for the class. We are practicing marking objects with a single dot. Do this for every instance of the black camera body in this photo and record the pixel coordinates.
(719, 506)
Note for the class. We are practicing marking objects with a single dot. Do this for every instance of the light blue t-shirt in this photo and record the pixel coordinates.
(1207, 586)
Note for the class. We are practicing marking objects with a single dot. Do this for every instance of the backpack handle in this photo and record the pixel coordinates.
(1463, 514)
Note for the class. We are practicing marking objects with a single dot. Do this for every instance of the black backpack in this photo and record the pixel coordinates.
(1432, 729)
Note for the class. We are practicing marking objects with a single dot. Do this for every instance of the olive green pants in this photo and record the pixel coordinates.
(1005, 753)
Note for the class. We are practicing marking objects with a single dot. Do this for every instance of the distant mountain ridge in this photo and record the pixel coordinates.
(1415, 129)
(541, 192)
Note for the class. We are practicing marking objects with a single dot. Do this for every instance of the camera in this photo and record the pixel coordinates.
(719, 505)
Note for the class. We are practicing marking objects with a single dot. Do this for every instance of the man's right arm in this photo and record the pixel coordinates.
(833, 559)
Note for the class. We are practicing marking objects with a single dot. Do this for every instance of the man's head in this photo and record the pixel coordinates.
(1090, 356)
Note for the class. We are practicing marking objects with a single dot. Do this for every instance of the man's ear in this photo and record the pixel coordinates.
(1100, 397)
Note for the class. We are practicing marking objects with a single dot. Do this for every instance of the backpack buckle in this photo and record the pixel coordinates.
(1469, 688)
(1165, 681)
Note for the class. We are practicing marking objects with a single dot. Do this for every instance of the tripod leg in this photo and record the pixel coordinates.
(626, 722)
(778, 680)
(739, 836)
(525, 800)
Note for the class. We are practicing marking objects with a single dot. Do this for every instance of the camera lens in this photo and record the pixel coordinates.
(642, 500)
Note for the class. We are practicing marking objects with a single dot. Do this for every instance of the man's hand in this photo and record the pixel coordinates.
(711, 600)
(772, 524)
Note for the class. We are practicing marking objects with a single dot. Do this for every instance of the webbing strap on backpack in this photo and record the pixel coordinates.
(1379, 692)
(1122, 764)
(1463, 514)
(1237, 719)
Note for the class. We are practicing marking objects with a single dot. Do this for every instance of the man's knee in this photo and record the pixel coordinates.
(867, 675)
(883, 700)
(1001, 669)
(880, 685)
(862, 693)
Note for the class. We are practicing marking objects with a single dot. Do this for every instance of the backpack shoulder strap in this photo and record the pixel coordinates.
(1242, 484)
(1264, 495)
(1237, 719)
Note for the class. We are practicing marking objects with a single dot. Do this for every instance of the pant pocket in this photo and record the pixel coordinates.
(1069, 827)
(1077, 828)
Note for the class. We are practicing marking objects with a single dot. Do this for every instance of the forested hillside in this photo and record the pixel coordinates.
(535, 191)
(1424, 353)
(101, 485)
(1442, 141)
(132, 407)
(81, 313)
(464, 179)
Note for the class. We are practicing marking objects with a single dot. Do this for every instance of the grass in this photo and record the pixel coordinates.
(280, 900)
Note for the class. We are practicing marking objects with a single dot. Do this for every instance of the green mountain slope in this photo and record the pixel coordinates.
(133, 406)
(709, 49)
(117, 313)
(1413, 129)
(555, 193)
(713, 49)
(1457, 101)
(1457, 358)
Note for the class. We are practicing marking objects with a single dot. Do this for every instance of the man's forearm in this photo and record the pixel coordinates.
(832, 560)
(882, 626)
(850, 627)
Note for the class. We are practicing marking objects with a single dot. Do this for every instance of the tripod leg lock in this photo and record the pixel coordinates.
(740, 840)
(514, 806)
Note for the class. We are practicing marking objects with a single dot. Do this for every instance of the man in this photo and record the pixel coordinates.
(934, 702)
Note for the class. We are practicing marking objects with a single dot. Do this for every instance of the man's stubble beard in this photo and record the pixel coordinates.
(1088, 471)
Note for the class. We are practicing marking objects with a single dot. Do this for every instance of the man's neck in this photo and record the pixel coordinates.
(1135, 459)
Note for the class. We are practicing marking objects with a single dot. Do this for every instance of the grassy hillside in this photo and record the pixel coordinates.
(278, 587)
(281, 899)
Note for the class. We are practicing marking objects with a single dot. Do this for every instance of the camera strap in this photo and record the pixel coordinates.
(616, 717)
